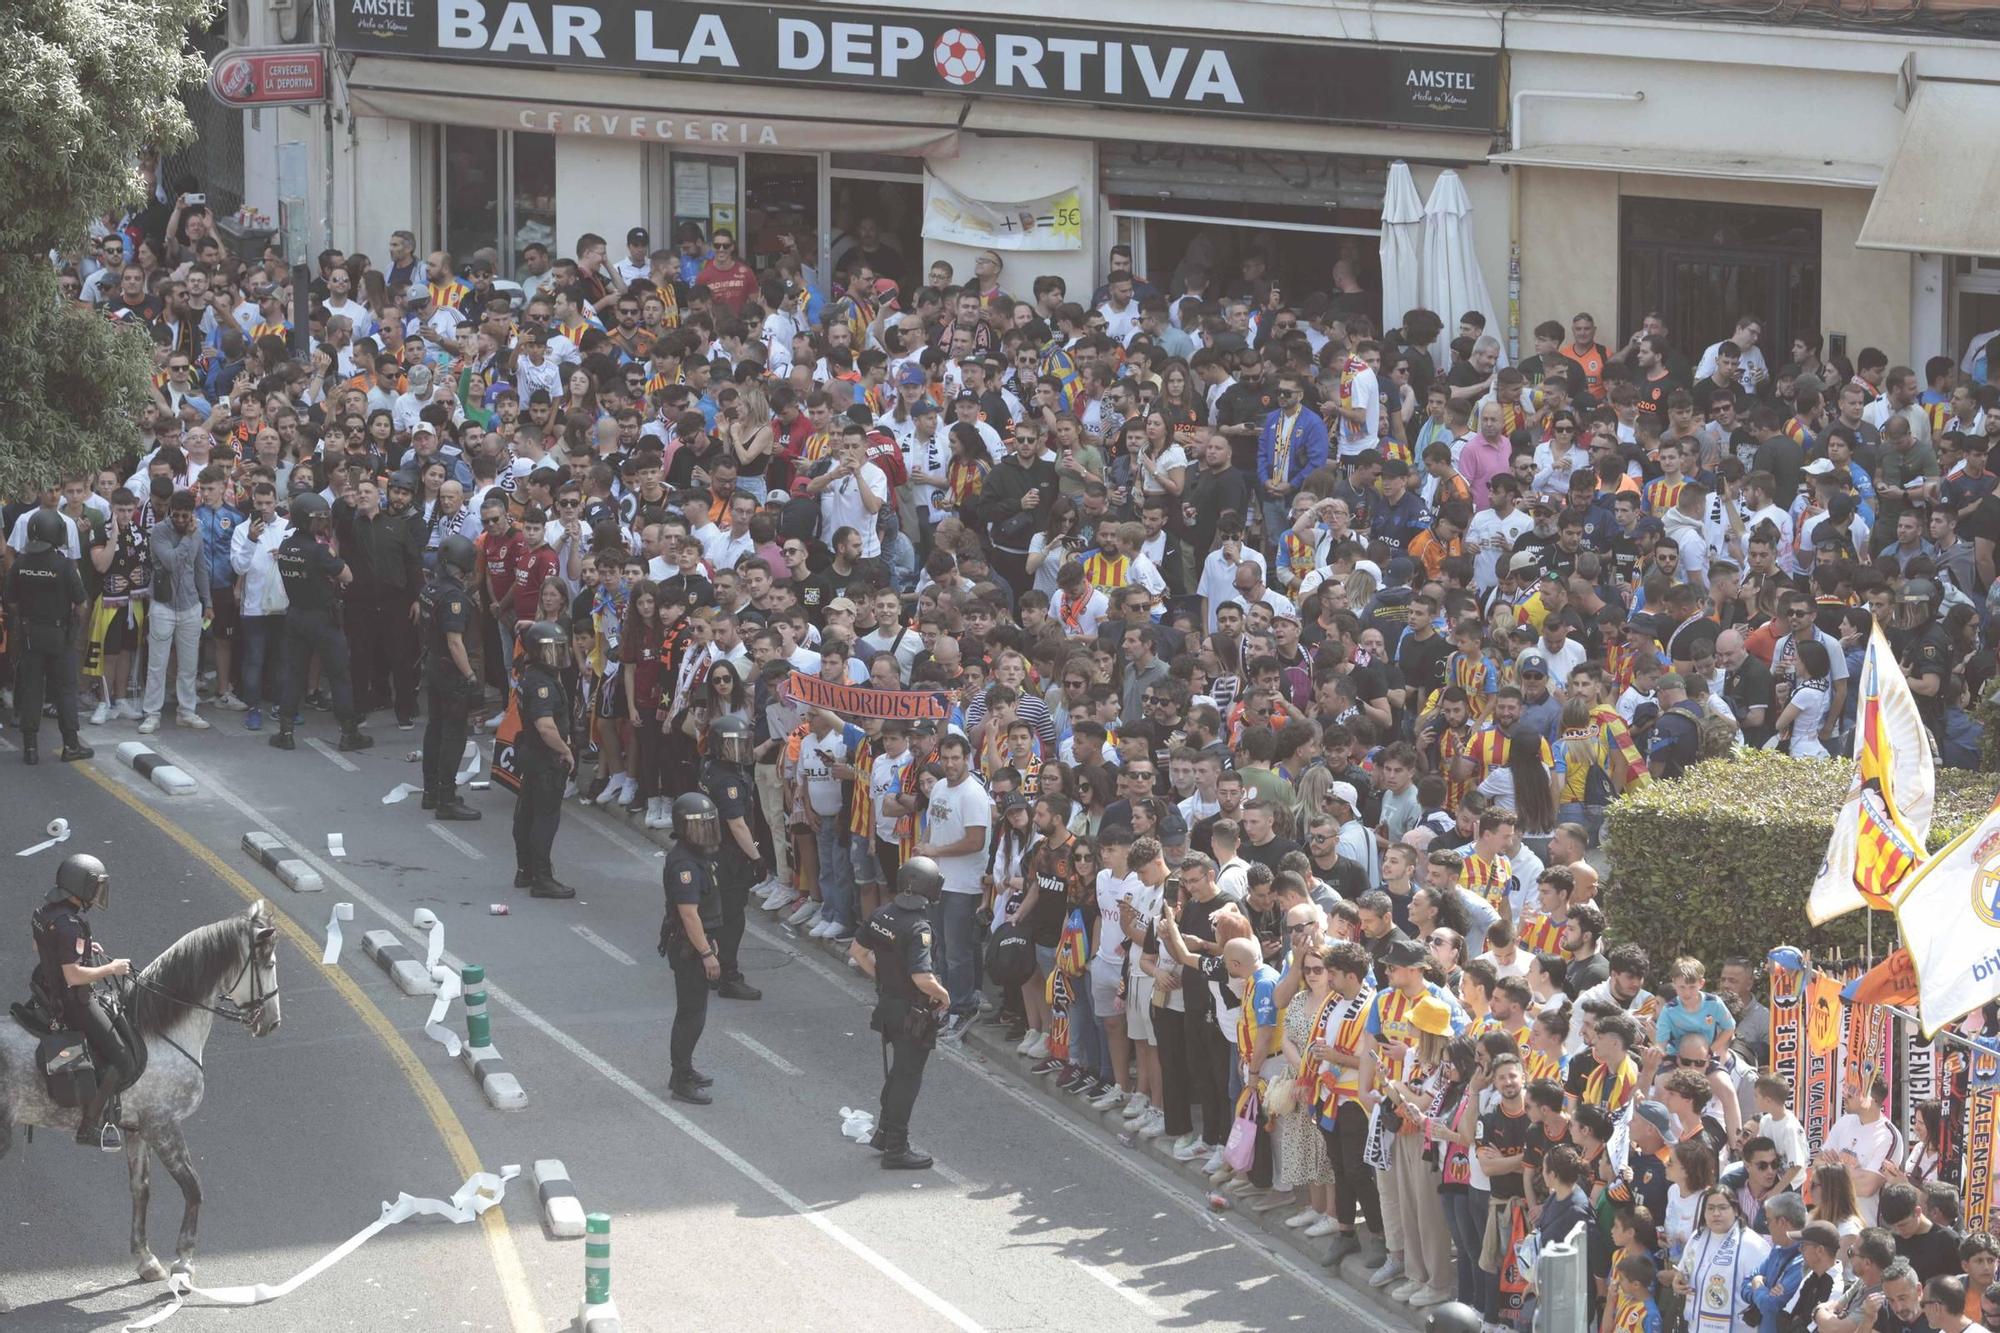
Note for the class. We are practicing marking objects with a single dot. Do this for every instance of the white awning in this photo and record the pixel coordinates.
(689, 112)
(1690, 162)
(1937, 196)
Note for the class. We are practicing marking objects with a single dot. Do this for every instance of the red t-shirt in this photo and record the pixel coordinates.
(731, 289)
(503, 554)
(886, 454)
(531, 571)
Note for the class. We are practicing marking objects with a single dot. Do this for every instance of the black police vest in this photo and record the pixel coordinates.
(54, 948)
(714, 773)
(710, 907)
(530, 743)
(888, 935)
(43, 585)
(429, 603)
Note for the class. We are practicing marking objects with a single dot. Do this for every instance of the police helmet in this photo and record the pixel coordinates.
(307, 506)
(730, 740)
(546, 644)
(84, 878)
(920, 878)
(46, 531)
(406, 480)
(458, 552)
(1453, 1317)
(696, 822)
(1916, 605)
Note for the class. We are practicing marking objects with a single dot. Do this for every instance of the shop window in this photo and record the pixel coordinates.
(469, 181)
(1701, 266)
(1975, 313)
(496, 190)
(533, 191)
(883, 217)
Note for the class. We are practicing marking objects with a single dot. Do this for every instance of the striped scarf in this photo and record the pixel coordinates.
(964, 479)
(816, 446)
(1662, 495)
(263, 330)
(1332, 1083)
(861, 811)
(1453, 744)
(1612, 1091)
(1072, 610)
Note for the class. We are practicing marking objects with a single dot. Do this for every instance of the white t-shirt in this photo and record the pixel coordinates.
(930, 457)
(1813, 698)
(1871, 1145)
(817, 756)
(885, 778)
(17, 540)
(840, 506)
(1365, 391)
(1490, 537)
(955, 812)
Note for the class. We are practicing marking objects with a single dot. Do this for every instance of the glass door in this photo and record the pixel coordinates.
(496, 191)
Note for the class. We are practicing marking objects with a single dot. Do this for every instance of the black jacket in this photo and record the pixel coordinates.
(386, 552)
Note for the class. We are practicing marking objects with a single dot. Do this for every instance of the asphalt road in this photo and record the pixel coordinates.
(753, 1213)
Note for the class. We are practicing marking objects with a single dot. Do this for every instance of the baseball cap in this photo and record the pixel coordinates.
(1671, 681)
(1401, 570)
(422, 428)
(923, 407)
(911, 375)
(1173, 828)
(1819, 467)
(639, 236)
(1344, 791)
(966, 396)
(1537, 500)
(1404, 953)
(1523, 561)
(841, 604)
(1534, 663)
(1656, 1115)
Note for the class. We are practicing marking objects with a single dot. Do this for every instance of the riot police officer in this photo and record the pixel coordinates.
(70, 964)
(313, 576)
(687, 936)
(725, 776)
(545, 760)
(895, 949)
(1925, 647)
(452, 686)
(48, 598)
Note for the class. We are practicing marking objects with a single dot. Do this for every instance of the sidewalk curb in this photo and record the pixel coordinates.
(148, 764)
(272, 854)
(396, 963)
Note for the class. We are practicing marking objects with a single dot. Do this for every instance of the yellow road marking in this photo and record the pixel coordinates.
(514, 1286)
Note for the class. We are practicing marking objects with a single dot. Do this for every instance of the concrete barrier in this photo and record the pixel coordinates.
(502, 1090)
(562, 1211)
(396, 963)
(148, 764)
(271, 853)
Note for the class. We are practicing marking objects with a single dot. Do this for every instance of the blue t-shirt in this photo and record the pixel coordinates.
(1708, 1021)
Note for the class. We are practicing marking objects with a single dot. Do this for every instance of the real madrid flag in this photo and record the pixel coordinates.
(1878, 835)
(1949, 911)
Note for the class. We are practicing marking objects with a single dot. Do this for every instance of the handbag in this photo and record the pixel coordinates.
(1527, 1251)
(1241, 1150)
(1281, 1095)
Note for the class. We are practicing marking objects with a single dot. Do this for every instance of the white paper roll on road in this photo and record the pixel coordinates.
(341, 912)
(58, 831)
(435, 1027)
(402, 791)
(480, 1191)
(425, 919)
(336, 845)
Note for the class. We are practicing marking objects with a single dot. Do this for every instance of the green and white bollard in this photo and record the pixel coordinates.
(503, 1091)
(599, 1313)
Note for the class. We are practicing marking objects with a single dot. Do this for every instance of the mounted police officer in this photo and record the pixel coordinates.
(725, 776)
(688, 935)
(48, 598)
(545, 759)
(447, 609)
(71, 963)
(895, 949)
(313, 576)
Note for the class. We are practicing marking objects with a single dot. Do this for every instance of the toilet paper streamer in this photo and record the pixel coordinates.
(435, 1027)
(341, 912)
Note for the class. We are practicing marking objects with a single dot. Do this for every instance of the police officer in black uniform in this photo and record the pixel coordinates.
(725, 776)
(688, 933)
(545, 759)
(446, 610)
(895, 949)
(70, 964)
(1925, 648)
(313, 576)
(48, 598)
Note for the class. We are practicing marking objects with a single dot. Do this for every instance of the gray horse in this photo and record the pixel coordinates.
(226, 970)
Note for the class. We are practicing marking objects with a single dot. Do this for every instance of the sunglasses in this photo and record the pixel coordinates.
(1692, 1062)
(1298, 926)
(1313, 971)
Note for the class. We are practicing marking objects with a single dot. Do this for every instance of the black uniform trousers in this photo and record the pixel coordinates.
(733, 885)
(537, 811)
(384, 647)
(115, 1064)
(444, 736)
(1354, 1185)
(45, 662)
(903, 1058)
(690, 1007)
(308, 632)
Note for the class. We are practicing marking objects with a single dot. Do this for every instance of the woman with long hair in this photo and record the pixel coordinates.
(378, 436)
(1181, 401)
(965, 476)
(580, 393)
(1093, 792)
(1159, 471)
(1055, 545)
(1301, 1156)
(1524, 784)
(642, 643)
(1833, 1201)
(1691, 1170)
(745, 430)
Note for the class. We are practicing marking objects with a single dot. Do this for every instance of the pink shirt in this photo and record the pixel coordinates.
(1480, 461)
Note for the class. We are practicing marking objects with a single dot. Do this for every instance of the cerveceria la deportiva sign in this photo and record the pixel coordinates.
(966, 54)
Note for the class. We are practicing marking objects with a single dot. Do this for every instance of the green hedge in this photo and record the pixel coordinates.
(1719, 862)
(1987, 710)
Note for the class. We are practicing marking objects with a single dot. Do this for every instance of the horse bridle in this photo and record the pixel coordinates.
(228, 1010)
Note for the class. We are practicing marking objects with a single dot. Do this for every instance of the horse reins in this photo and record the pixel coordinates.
(234, 1013)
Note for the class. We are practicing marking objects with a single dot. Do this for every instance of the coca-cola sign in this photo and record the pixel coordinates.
(294, 76)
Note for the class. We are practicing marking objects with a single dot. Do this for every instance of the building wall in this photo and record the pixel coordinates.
(382, 154)
(1001, 170)
(1569, 252)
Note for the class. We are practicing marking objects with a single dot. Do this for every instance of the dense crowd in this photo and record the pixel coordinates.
(1271, 675)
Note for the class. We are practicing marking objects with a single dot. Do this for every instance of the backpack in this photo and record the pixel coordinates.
(1715, 737)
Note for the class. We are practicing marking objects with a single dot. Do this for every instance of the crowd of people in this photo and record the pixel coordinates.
(1276, 673)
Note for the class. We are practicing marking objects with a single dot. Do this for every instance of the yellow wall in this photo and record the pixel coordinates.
(1569, 253)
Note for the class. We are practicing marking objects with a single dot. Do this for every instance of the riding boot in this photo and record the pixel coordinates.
(97, 1128)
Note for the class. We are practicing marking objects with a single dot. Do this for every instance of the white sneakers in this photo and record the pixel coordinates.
(100, 714)
(827, 930)
(1390, 1271)
(1137, 1106)
(1106, 1100)
(1040, 1050)
(194, 721)
(1027, 1044)
(1300, 1220)
(1425, 1297)
(1152, 1124)
(805, 912)
(1189, 1147)
(1214, 1162)
(229, 701)
(149, 724)
(128, 708)
(657, 815)
(1325, 1226)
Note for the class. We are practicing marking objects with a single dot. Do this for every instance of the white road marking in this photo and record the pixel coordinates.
(1137, 1300)
(589, 936)
(333, 756)
(765, 1053)
(6, 745)
(806, 1211)
(1357, 1315)
(452, 839)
